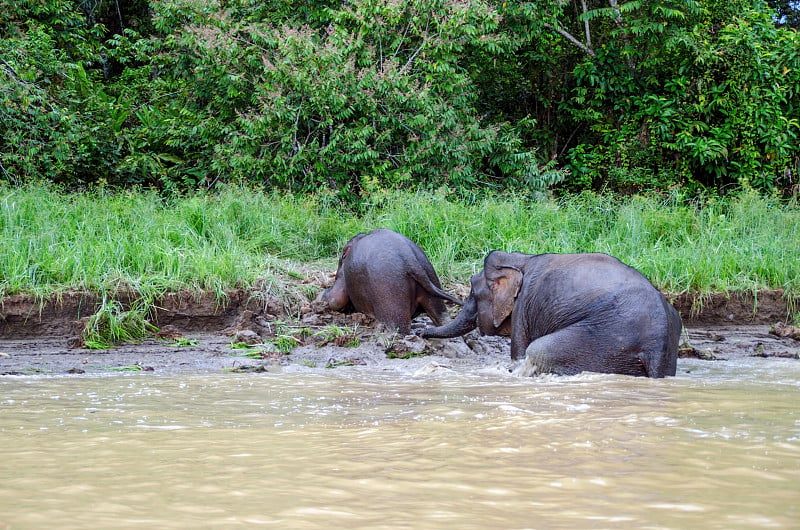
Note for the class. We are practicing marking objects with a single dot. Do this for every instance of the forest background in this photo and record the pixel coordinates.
(171, 145)
(355, 97)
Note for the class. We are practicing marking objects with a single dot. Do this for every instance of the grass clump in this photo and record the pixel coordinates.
(250, 353)
(285, 343)
(407, 354)
(340, 336)
(111, 325)
(131, 368)
(184, 342)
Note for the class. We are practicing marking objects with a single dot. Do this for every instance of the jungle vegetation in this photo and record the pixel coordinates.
(163, 145)
(353, 98)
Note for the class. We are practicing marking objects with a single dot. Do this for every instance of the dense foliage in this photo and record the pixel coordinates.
(367, 95)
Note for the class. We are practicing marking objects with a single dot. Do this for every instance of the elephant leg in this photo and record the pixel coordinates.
(336, 295)
(548, 354)
(576, 349)
(435, 309)
(394, 315)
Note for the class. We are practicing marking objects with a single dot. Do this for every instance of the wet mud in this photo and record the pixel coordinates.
(253, 331)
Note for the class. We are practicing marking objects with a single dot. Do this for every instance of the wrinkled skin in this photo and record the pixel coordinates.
(569, 313)
(387, 276)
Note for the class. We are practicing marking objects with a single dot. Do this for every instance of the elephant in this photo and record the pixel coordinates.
(387, 276)
(570, 313)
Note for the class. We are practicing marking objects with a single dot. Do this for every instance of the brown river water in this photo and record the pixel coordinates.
(718, 446)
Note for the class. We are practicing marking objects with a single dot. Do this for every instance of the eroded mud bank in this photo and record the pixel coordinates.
(198, 333)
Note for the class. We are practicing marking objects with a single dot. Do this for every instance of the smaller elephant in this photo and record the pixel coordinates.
(387, 276)
(569, 313)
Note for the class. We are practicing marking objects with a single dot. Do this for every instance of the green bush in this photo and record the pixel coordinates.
(690, 95)
(376, 100)
(356, 98)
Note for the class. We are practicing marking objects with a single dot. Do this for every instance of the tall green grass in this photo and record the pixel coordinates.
(742, 243)
(52, 241)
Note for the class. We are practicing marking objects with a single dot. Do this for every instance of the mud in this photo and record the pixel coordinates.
(256, 331)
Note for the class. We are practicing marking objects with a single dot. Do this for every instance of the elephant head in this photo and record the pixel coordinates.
(496, 290)
(493, 294)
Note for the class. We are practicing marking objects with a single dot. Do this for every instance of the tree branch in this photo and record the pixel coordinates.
(615, 6)
(13, 75)
(418, 50)
(625, 36)
(564, 33)
(586, 25)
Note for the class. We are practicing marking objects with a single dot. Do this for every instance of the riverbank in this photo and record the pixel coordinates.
(252, 330)
(223, 280)
(62, 314)
(199, 352)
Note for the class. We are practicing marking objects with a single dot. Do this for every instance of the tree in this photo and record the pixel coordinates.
(371, 97)
(53, 111)
(364, 95)
(677, 91)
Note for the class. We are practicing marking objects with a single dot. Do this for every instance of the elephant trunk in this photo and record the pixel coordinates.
(464, 322)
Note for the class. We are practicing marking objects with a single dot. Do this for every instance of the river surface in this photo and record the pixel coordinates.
(718, 446)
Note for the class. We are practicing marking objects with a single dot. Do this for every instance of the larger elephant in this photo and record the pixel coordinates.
(569, 313)
(386, 275)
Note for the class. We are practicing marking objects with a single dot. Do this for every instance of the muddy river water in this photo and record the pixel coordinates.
(718, 446)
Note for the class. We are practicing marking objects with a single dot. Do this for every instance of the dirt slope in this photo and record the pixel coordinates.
(198, 331)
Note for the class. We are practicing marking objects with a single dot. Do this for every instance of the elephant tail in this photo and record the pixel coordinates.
(435, 290)
(441, 294)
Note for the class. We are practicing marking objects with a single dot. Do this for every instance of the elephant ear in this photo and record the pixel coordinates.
(349, 246)
(504, 287)
(345, 252)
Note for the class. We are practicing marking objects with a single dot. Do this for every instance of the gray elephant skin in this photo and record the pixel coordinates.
(570, 313)
(387, 276)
